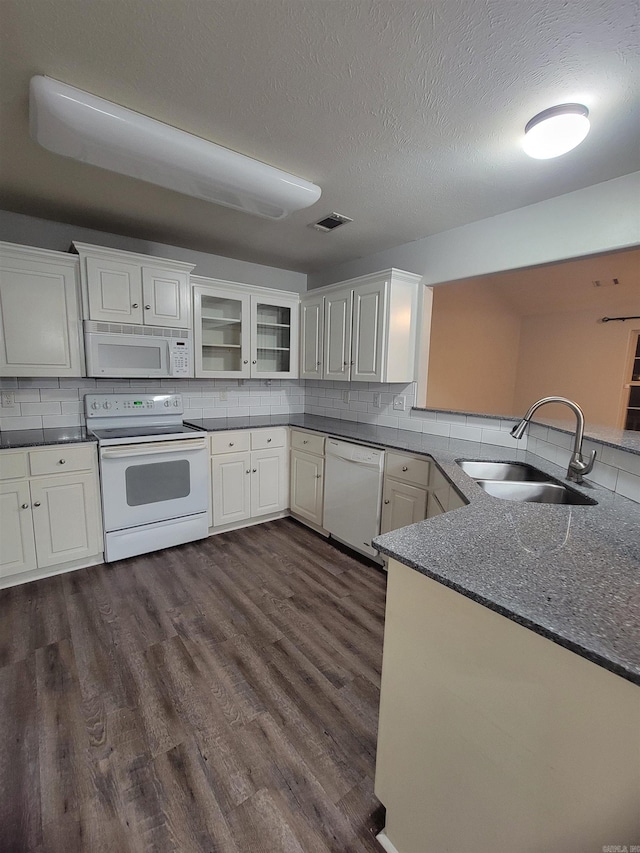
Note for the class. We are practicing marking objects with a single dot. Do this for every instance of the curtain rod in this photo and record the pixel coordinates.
(622, 319)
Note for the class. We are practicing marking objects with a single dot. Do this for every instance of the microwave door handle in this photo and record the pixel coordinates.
(169, 360)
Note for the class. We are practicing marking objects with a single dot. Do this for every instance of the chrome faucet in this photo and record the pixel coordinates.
(577, 465)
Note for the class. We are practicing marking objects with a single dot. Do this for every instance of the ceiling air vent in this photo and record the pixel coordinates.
(334, 220)
(605, 282)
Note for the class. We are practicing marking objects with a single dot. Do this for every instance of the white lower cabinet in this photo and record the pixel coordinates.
(249, 483)
(402, 505)
(48, 519)
(307, 476)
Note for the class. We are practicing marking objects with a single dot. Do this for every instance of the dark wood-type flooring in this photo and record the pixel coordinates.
(220, 696)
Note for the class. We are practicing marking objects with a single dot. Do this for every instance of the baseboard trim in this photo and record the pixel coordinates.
(49, 571)
(384, 842)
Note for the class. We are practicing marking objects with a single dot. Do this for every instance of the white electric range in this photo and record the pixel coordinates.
(154, 472)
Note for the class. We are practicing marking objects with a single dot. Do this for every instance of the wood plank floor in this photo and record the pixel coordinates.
(221, 696)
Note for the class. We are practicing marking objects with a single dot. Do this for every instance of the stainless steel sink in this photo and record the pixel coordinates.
(543, 493)
(517, 481)
(503, 471)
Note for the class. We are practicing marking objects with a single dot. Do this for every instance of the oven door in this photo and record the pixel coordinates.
(126, 355)
(157, 481)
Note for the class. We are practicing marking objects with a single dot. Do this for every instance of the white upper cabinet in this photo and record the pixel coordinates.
(123, 287)
(40, 332)
(369, 331)
(337, 335)
(311, 337)
(242, 332)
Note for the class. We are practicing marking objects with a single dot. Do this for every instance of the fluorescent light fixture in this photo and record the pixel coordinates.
(555, 131)
(84, 127)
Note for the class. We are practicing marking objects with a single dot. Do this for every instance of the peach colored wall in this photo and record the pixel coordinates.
(574, 356)
(473, 354)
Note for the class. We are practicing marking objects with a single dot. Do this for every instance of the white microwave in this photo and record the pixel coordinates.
(123, 351)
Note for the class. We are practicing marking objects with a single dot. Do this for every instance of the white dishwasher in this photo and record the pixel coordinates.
(353, 493)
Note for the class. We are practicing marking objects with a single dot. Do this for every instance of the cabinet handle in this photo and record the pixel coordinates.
(254, 470)
(147, 307)
(63, 461)
(37, 503)
(25, 506)
(386, 502)
(135, 305)
(404, 468)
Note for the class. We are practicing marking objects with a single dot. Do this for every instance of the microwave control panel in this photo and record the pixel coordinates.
(180, 355)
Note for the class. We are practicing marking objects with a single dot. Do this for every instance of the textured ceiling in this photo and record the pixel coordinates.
(409, 115)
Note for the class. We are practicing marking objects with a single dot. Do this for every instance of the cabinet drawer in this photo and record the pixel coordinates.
(408, 469)
(308, 442)
(13, 465)
(262, 439)
(230, 442)
(61, 459)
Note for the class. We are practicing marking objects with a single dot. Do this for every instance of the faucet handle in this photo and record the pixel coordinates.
(590, 463)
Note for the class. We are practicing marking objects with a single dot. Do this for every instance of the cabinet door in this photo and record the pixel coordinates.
(66, 518)
(231, 487)
(221, 333)
(401, 505)
(311, 338)
(115, 290)
(274, 337)
(337, 336)
(307, 486)
(369, 312)
(17, 545)
(268, 481)
(166, 298)
(434, 506)
(39, 319)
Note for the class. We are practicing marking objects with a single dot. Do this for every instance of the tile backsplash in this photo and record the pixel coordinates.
(59, 402)
(39, 403)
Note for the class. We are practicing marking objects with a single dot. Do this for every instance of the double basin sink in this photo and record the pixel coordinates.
(517, 481)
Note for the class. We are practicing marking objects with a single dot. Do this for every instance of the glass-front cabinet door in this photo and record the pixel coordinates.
(221, 333)
(274, 345)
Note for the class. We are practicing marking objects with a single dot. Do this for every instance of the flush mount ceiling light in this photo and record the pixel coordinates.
(555, 131)
(75, 124)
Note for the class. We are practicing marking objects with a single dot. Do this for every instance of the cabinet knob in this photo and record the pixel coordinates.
(404, 468)
(135, 305)
(254, 362)
(248, 471)
(63, 461)
(246, 361)
(37, 503)
(268, 440)
(318, 363)
(231, 443)
(24, 506)
(345, 364)
(386, 502)
(147, 307)
(305, 441)
(352, 363)
(318, 476)
(254, 470)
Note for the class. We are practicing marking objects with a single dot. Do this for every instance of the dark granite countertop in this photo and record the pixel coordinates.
(569, 573)
(14, 438)
(248, 422)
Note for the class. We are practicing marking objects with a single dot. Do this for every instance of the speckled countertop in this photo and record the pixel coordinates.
(38, 437)
(569, 573)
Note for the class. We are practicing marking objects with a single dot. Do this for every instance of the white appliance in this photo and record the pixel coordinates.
(154, 472)
(353, 494)
(122, 350)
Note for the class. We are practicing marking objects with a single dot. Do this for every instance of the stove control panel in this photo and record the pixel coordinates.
(132, 405)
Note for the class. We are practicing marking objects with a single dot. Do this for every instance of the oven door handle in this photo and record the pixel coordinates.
(151, 450)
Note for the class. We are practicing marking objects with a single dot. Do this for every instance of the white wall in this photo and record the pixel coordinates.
(600, 218)
(45, 234)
